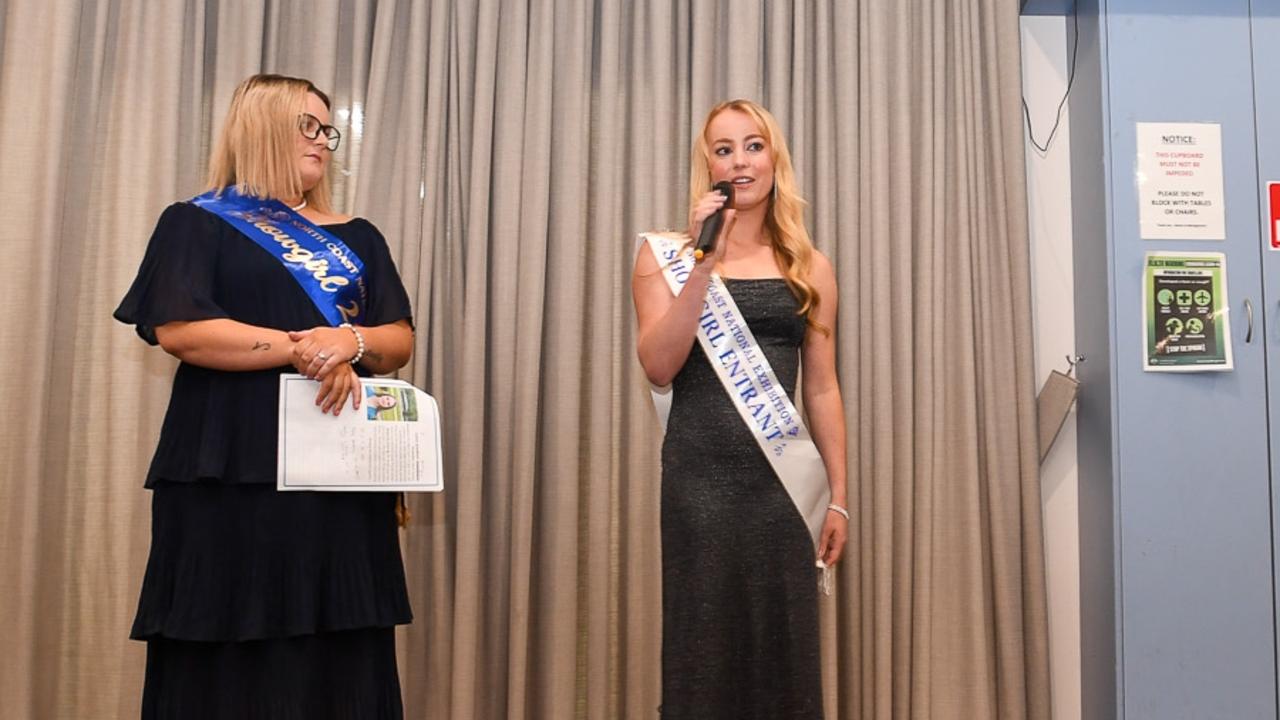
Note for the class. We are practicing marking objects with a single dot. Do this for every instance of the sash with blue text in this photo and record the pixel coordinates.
(749, 380)
(326, 269)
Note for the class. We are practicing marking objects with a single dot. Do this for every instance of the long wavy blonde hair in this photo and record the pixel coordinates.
(784, 221)
(255, 149)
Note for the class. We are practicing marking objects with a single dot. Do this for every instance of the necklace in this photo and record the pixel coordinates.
(299, 206)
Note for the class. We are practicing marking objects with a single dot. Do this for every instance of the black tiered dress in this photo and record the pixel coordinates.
(257, 603)
(739, 595)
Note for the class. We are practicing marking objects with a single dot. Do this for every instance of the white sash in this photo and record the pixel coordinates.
(749, 380)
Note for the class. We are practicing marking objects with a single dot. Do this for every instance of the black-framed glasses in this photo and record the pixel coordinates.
(311, 128)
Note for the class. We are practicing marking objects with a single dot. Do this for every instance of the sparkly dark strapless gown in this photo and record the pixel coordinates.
(739, 597)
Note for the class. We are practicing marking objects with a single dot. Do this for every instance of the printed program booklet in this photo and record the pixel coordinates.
(390, 444)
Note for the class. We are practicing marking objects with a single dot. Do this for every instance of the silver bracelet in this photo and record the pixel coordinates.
(837, 509)
(360, 345)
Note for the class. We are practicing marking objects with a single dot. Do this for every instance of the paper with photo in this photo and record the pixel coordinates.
(390, 444)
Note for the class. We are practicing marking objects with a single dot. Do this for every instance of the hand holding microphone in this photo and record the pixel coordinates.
(711, 225)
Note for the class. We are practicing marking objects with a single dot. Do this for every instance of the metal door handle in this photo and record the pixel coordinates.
(1248, 314)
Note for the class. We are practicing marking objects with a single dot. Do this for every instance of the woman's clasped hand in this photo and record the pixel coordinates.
(324, 354)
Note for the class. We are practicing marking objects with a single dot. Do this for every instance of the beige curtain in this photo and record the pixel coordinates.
(510, 150)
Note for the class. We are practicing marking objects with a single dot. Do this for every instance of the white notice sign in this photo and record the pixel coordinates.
(1179, 178)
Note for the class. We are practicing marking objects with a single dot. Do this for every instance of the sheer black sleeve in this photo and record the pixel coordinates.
(388, 301)
(176, 278)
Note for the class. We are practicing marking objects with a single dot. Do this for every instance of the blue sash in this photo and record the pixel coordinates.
(328, 271)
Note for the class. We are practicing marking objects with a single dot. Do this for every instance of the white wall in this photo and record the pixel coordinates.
(1045, 49)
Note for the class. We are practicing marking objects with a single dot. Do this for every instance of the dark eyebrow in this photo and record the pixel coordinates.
(753, 136)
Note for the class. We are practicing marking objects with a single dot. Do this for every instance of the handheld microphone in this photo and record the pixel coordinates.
(711, 226)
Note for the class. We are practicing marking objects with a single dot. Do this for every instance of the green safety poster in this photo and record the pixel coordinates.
(1184, 312)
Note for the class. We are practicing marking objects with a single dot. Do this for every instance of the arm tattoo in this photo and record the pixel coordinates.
(259, 345)
(374, 356)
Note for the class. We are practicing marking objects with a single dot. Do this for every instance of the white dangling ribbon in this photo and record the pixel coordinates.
(824, 582)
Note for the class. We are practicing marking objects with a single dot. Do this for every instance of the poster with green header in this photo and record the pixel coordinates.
(1184, 312)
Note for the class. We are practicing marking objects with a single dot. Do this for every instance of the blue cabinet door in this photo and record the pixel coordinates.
(1266, 79)
(1195, 626)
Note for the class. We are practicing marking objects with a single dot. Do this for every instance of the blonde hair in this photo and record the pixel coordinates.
(255, 150)
(784, 221)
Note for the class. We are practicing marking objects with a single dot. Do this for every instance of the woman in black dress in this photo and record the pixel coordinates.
(740, 615)
(258, 603)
